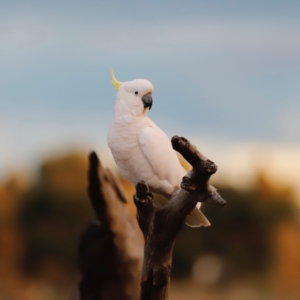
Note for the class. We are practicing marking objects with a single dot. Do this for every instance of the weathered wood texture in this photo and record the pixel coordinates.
(161, 225)
(111, 249)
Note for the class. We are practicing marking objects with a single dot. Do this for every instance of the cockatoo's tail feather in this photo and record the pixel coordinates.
(114, 81)
(196, 218)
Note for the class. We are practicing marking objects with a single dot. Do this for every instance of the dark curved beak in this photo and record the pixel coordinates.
(147, 100)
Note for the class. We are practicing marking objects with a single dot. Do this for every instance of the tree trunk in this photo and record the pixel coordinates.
(111, 249)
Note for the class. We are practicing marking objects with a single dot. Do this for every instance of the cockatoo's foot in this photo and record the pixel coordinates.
(184, 139)
(145, 208)
(188, 184)
(142, 192)
(210, 166)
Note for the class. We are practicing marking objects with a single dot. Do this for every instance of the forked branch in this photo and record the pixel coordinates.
(161, 225)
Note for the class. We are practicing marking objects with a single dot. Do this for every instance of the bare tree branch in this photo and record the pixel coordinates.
(161, 225)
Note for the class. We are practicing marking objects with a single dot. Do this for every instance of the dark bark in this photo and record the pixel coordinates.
(161, 225)
(111, 249)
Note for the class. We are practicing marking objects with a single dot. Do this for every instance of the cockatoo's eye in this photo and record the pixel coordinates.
(136, 92)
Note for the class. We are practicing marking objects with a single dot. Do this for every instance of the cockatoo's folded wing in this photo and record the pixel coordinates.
(158, 150)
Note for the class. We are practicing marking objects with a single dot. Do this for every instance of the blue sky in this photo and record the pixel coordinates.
(224, 71)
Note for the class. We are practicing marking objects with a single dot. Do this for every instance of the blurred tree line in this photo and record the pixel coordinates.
(257, 234)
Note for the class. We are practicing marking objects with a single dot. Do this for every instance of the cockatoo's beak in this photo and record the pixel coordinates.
(147, 100)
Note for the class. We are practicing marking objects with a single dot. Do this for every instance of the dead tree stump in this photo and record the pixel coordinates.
(111, 250)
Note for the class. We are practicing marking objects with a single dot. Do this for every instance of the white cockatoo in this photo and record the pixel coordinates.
(141, 150)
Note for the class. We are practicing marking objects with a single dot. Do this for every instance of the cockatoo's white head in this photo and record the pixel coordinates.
(134, 98)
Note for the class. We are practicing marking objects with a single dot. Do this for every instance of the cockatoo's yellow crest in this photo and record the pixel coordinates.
(114, 81)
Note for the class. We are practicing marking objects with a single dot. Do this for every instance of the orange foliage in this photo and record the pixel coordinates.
(64, 179)
(286, 268)
(269, 189)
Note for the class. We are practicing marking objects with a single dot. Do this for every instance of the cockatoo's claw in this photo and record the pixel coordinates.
(141, 187)
(187, 184)
(184, 139)
(150, 196)
(210, 166)
(188, 188)
(142, 192)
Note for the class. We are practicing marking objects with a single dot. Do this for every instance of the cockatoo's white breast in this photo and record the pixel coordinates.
(123, 142)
